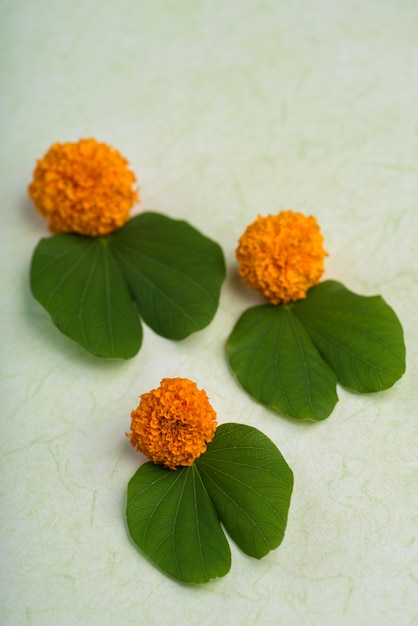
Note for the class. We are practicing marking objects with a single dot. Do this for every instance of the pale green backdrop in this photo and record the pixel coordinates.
(225, 109)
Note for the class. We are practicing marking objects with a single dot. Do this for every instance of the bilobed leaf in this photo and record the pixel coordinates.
(77, 280)
(173, 271)
(93, 287)
(277, 363)
(359, 337)
(172, 519)
(250, 484)
(241, 481)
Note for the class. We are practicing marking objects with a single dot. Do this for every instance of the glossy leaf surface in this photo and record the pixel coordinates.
(250, 484)
(277, 363)
(359, 337)
(77, 280)
(95, 289)
(241, 481)
(172, 519)
(290, 357)
(174, 273)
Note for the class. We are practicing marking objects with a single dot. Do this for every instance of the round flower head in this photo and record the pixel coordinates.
(173, 424)
(281, 256)
(84, 187)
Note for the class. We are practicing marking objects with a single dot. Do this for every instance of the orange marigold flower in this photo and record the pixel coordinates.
(281, 256)
(84, 187)
(173, 424)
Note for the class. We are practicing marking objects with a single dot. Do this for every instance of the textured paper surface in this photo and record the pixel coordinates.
(225, 110)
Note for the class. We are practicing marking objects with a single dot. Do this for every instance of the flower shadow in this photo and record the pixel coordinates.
(31, 217)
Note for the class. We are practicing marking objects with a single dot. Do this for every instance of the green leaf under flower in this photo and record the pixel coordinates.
(277, 363)
(290, 357)
(241, 482)
(250, 484)
(93, 287)
(77, 280)
(173, 271)
(172, 519)
(359, 337)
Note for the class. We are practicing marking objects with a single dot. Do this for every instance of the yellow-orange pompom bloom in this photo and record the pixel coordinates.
(281, 256)
(84, 187)
(173, 424)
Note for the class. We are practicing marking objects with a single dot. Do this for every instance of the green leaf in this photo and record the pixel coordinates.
(359, 337)
(250, 484)
(77, 280)
(241, 480)
(172, 519)
(91, 286)
(174, 273)
(276, 362)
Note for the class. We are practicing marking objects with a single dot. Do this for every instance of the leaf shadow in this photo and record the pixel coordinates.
(239, 289)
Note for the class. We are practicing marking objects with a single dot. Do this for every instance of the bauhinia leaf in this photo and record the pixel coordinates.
(173, 271)
(250, 484)
(77, 280)
(359, 337)
(172, 519)
(241, 480)
(93, 287)
(277, 363)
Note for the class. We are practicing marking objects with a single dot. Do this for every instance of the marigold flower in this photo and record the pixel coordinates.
(281, 256)
(84, 187)
(173, 424)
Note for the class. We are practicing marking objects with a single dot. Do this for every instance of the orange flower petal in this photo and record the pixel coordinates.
(281, 256)
(84, 187)
(173, 424)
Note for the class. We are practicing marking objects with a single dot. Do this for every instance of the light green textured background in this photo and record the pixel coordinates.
(225, 109)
